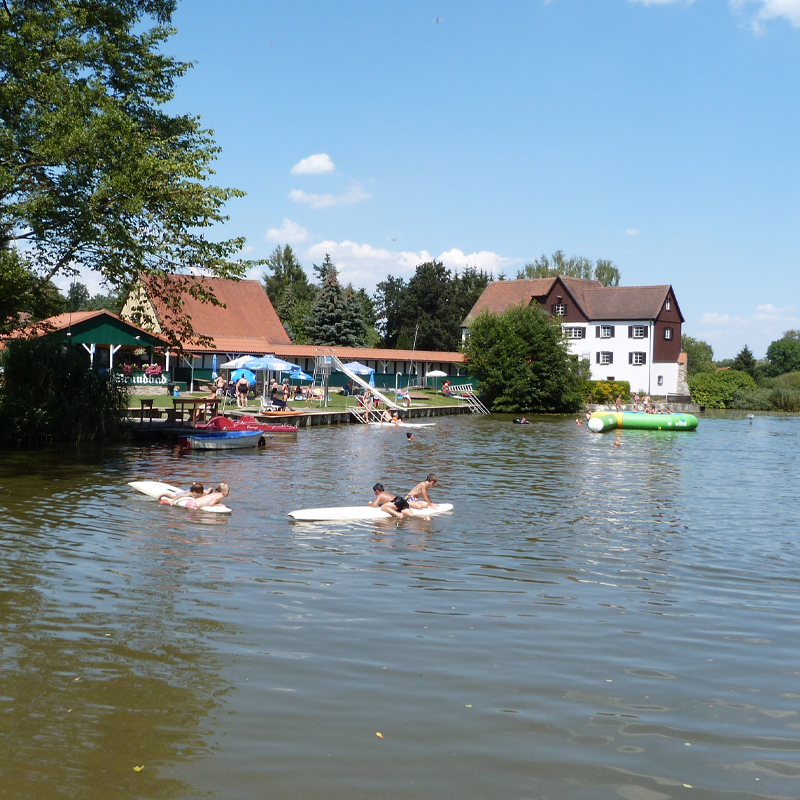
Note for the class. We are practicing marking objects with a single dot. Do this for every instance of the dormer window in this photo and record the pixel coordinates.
(666, 305)
(560, 309)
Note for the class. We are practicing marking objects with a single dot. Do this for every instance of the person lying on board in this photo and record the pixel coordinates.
(418, 496)
(392, 504)
(395, 420)
(194, 491)
(210, 499)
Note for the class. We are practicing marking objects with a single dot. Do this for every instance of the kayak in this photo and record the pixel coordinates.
(602, 421)
(360, 512)
(155, 489)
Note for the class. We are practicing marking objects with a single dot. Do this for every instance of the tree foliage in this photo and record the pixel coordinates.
(746, 362)
(286, 274)
(783, 355)
(93, 171)
(429, 308)
(336, 317)
(699, 355)
(602, 270)
(521, 360)
(719, 389)
(51, 394)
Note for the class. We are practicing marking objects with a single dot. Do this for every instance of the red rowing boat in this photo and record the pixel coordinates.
(246, 423)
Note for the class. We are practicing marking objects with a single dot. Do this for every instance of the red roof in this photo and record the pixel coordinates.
(499, 296)
(246, 346)
(246, 312)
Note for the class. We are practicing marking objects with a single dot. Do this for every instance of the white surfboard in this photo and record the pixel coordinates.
(155, 489)
(403, 424)
(360, 512)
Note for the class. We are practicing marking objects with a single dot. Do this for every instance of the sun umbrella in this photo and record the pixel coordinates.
(358, 368)
(238, 363)
(272, 364)
(214, 366)
(435, 373)
(299, 375)
(236, 374)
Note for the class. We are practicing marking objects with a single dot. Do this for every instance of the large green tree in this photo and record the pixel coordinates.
(94, 172)
(602, 270)
(746, 362)
(429, 308)
(783, 355)
(337, 317)
(521, 360)
(699, 355)
(286, 273)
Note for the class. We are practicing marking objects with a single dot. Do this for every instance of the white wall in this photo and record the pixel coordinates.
(642, 378)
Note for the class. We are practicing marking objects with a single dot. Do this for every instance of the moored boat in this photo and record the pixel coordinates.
(602, 421)
(221, 440)
(245, 423)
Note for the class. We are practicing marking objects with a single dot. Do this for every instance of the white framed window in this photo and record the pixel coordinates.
(666, 305)
(668, 333)
(575, 333)
(637, 331)
(604, 331)
(660, 380)
(605, 357)
(637, 359)
(560, 309)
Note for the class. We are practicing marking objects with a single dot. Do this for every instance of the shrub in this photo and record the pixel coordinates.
(51, 394)
(718, 389)
(606, 392)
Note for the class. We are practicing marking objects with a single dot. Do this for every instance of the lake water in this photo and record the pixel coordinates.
(592, 621)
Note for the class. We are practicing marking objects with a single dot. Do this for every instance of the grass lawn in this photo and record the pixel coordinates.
(336, 401)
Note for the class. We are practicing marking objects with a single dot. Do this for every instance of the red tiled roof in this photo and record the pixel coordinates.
(499, 296)
(683, 358)
(597, 302)
(246, 312)
(240, 345)
(625, 302)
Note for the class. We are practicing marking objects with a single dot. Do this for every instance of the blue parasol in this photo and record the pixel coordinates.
(214, 366)
(236, 374)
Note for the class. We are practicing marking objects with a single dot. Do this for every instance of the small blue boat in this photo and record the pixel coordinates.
(221, 440)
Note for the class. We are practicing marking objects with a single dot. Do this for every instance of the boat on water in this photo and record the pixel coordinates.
(602, 421)
(245, 423)
(221, 440)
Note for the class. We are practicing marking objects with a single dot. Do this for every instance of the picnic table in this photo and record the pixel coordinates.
(198, 405)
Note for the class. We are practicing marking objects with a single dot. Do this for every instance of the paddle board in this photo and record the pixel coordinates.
(360, 512)
(155, 489)
(403, 424)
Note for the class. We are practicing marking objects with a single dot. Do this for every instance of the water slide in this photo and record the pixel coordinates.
(361, 382)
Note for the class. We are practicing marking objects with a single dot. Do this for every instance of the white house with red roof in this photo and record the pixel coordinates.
(626, 333)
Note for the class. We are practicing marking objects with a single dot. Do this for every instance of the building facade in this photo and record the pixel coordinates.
(626, 333)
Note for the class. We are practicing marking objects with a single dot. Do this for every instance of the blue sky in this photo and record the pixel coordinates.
(663, 135)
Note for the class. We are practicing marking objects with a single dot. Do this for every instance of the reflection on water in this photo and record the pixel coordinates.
(592, 620)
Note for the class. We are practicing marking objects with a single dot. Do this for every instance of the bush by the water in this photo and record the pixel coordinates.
(522, 362)
(606, 392)
(51, 394)
(719, 389)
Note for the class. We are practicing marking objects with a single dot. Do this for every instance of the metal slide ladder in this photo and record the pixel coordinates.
(337, 364)
(466, 392)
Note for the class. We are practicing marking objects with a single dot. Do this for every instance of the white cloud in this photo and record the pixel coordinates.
(632, 232)
(729, 334)
(318, 164)
(365, 265)
(772, 9)
(355, 194)
(485, 260)
(289, 233)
